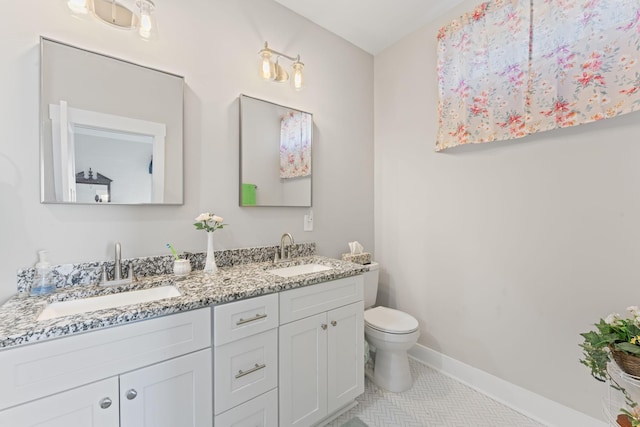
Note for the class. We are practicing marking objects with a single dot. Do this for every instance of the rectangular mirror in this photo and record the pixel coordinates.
(275, 154)
(110, 130)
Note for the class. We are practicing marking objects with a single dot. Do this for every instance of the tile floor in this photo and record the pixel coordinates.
(434, 401)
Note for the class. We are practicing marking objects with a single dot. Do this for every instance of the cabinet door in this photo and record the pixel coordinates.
(303, 371)
(93, 405)
(169, 394)
(345, 373)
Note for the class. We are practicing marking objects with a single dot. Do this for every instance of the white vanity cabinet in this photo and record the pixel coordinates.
(321, 350)
(246, 362)
(151, 373)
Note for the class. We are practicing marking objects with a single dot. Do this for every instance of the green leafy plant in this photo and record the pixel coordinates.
(209, 222)
(613, 332)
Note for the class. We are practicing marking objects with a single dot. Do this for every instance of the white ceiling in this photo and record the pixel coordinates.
(371, 25)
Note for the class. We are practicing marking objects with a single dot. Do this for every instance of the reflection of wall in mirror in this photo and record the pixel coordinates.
(125, 162)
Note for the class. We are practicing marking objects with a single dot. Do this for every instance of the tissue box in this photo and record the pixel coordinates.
(363, 258)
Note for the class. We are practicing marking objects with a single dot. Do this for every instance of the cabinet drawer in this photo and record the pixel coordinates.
(259, 412)
(309, 300)
(245, 369)
(241, 319)
(41, 369)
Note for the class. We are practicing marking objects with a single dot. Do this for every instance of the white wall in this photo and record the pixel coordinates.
(506, 251)
(214, 44)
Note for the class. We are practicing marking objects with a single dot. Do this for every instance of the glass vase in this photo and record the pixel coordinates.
(210, 266)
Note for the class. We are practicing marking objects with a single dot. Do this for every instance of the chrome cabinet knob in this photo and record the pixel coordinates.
(131, 394)
(105, 403)
(324, 326)
(334, 323)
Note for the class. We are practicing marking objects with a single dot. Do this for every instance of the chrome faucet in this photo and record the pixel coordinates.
(117, 271)
(282, 246)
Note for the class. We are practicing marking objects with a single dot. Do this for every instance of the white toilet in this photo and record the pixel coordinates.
(392, 333)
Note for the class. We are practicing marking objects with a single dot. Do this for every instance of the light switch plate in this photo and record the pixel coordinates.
(308, 223)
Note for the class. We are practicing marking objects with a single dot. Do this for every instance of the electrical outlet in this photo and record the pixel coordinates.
(308, 223)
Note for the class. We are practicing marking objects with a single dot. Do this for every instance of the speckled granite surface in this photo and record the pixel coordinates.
(18, 324)
(88, 273)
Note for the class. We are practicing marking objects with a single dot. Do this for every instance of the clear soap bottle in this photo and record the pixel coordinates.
(43, 279)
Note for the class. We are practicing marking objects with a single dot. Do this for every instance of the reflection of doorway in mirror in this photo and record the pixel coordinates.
(120, 147)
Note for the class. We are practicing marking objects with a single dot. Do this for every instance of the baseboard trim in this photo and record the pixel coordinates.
(534, 406)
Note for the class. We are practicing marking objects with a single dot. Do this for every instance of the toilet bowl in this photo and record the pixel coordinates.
(391, 332)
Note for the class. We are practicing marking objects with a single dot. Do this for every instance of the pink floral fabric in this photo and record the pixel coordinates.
(483, 61)
(295, 145)
(515, 67)
(584, 61)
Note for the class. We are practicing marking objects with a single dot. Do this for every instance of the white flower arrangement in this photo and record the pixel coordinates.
(209, 222)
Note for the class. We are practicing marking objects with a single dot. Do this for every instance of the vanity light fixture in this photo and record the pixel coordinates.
(270, 70)
(124, 14)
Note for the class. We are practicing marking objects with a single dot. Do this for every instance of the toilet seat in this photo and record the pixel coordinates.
(390, 321)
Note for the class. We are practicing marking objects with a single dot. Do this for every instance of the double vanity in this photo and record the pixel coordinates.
(257, 344)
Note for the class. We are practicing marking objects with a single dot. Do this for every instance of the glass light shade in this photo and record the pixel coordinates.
(297, 81)
(146, 24)
(78, 6)
(267, 67)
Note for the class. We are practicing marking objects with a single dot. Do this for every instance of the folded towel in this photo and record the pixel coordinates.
(248, 195)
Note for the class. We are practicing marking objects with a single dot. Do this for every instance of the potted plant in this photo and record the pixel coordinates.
(619, 338)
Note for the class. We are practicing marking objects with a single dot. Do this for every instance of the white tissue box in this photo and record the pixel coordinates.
(363, 258)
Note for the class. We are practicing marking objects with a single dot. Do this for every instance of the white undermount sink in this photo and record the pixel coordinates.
(297, 270)
(84, 305)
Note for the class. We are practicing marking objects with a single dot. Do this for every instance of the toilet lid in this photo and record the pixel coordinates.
(389, 320)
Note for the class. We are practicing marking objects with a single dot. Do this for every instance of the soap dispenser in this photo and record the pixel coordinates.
(43, 279)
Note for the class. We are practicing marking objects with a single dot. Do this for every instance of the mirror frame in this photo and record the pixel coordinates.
(243, 144)
(48, 193)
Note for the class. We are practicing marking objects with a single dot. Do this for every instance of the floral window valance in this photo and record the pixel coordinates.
(515, 67)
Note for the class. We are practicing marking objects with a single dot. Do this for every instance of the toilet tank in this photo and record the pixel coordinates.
(371, 284)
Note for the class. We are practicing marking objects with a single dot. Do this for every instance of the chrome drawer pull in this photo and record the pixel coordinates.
(252, 319)
(242, 373)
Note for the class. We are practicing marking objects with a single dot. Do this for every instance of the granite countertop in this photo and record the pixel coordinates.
(18, 316)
